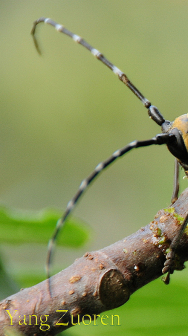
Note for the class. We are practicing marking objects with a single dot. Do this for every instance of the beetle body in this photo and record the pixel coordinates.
(179, 145)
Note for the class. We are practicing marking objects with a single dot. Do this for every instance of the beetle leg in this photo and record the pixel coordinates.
(176, 182)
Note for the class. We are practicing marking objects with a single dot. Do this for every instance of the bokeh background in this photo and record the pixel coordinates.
(64, 112)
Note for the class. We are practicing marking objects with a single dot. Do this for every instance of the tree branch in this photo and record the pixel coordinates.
(98, 281)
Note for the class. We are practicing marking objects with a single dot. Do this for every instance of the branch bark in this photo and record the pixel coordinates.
(98, 281)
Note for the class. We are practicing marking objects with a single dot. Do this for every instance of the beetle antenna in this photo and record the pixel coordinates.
(159, 139)
(121, 75)
(172, 138)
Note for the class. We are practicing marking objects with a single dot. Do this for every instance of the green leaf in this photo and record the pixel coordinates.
(18, 226)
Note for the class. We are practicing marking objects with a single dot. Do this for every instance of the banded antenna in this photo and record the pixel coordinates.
(172, 135)
(78, 39)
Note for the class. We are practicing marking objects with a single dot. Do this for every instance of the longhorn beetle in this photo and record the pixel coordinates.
(174, 135)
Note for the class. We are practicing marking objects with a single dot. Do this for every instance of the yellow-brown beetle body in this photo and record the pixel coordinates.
(178, 147)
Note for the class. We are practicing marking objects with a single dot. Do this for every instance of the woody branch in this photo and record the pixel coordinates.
(98, 281)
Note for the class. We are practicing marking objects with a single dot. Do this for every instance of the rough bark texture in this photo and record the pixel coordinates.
(98, 281)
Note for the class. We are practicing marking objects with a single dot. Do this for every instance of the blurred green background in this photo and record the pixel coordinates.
(64, 112)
